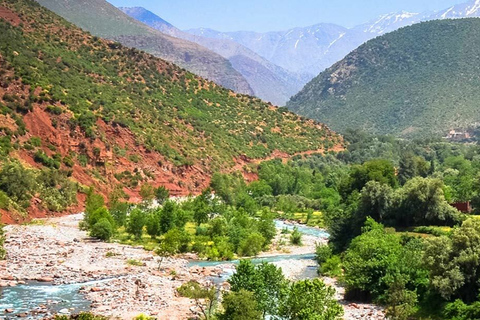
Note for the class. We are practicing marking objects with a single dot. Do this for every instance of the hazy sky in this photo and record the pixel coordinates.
(270, 15)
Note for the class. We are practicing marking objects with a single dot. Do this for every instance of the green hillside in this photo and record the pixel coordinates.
(169, 110)
(104, 20)
(419, 80)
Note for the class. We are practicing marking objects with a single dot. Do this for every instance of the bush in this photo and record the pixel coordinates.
(332, 267)
(252, 245)
(323, 253)
(102, 230)
(296, 237)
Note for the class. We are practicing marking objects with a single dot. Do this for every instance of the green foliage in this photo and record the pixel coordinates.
(266, 281)
(453, 262)
(81, 316)
(240, 305)
(3, 252)
(377, 259)
(102, 230)
(400, 83)
(458, 310)
(94, 202)
(332, 267)
(17, 182)
(162, 194)
(251, 245)
(147, 192)
(381, 171)
(136, 222)
(205, 297)
(98, 215)
(153, 225)
(41, 157)
(311, 300)
(296, 237)
(97, 80)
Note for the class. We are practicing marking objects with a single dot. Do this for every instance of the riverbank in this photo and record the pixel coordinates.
(55, 251)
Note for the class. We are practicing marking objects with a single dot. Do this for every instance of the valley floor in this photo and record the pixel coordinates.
(56, 251)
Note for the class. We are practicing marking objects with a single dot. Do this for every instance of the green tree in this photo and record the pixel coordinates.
(136, 222)
(201, 207)
(378, 201)
(147, 192)
(17, 182)
(311, 300)
(453, 263)
(101, 213)
(423, 203)
(205, 296)
(240, 305)
(252, 245)
(153, 225)
(401, 302)
(379, 170)
(411, 166)
(94, 201)
(168, 216)
(3, 252)
(162, 194)
(259, 189)
(265, 280)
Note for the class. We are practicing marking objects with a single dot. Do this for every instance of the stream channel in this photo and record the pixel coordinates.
(67, 298)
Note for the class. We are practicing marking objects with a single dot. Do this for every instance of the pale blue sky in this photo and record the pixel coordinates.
(270, 15)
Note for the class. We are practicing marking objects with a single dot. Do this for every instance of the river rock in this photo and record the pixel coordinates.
(45, 279)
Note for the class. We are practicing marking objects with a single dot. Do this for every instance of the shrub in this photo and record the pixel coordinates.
(102, 230)
(332, 267)
(296, 237)
(252, 245)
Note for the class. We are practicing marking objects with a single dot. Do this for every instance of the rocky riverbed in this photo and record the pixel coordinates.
(55, 251)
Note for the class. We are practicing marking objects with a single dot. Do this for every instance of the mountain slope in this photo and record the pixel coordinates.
(104, 20)
(297, 50)
(267, 80)
(419, 80)
(106, 115)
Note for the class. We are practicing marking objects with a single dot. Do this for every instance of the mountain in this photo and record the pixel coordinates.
(77, 111)
(416, 81)
(298, 50)
(104, 20)
(267, 80)
(310, 50)
(464, 10)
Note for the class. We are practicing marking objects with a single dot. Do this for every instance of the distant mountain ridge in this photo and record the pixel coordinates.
(104, 20)
(267, 80)
(310, 50)
(418, 81)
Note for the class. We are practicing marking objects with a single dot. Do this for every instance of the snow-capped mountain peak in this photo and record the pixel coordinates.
(391, 21)
(463, 10)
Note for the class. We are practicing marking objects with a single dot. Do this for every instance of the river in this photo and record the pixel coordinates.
(67, 299)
